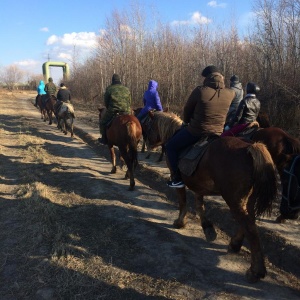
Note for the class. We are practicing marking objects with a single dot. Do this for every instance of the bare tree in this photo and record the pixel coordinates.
(11, 76)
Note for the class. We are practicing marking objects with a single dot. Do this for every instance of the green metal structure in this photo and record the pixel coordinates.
(64, 66)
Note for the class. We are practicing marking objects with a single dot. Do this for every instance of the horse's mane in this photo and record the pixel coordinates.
(167, 124)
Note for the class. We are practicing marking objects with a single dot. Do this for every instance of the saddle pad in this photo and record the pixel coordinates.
(66, 107)
(189, 159)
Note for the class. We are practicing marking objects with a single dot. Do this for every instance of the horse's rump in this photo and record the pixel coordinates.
(65, 110)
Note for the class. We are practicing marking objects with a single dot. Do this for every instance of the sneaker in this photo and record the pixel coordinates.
(176, 184)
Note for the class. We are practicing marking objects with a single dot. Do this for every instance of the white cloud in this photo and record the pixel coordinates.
(80, 39)
(45, 29)
(215, 4)
(27, 63)
(196, 18)
(65, 56)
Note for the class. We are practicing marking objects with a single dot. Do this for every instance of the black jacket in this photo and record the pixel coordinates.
(247, 111)
(64, 94)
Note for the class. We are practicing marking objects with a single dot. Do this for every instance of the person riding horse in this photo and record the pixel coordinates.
(117, 99)
(41, 91)
(204, 114)
(151, 100)
(50, 88)
(246, 113)
(63, 95)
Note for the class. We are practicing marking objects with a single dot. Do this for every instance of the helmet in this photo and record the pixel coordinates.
(252, 88)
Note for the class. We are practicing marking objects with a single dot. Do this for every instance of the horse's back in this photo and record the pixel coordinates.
(125, 128)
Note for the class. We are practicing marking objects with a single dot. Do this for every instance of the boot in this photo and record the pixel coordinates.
(103, 139)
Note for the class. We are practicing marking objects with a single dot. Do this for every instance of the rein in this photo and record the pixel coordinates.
(292, 176)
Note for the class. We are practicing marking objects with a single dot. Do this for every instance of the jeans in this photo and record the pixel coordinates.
(182, 139)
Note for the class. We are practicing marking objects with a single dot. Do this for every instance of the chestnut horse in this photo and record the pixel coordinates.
(284, 149)
(242, 173)
(125, 132)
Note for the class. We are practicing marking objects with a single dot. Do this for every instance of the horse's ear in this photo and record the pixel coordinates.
(151, 114)
(99, 109)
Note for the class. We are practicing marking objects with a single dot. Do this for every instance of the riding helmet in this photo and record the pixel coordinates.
(252, 88)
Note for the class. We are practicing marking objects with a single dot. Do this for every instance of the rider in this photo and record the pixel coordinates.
(50, 88)
(151, 100)
(204, 115)
(235, 85)
(40, 90)
(117, 99)
(63, 95)
(247, 111)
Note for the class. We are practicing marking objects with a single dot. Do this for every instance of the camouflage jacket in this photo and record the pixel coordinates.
(50, 88)
(117, 98)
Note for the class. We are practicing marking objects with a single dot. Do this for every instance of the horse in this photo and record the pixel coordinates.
(136, 111)
(242, 173)
(65, 118)
(125, 132)
(49, 107)
(284, 150)
(41, 107)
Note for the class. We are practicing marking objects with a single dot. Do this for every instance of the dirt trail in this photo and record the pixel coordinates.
(71, 230)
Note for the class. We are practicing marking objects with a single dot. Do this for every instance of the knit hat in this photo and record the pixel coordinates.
(50, 79)
(209, 69)
(116, 79)
(234, 78)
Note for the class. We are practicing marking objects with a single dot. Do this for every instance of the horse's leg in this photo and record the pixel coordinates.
(207, 226)
(49, 112)
(72, 127)
(130, 168)
(66, 126)
(246, 220)
(113, 159)
(180, 221)
(143, 146)
(163, 150)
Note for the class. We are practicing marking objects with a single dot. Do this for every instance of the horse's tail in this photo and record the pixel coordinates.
(132, 142)
(265, 183)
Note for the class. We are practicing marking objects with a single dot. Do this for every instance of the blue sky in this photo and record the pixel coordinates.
(31, 31)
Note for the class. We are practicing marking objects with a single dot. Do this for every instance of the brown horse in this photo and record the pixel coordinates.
(284, 149)
(41, 106)
(242, 173)
(49, 106)
(145, 144)
(125, 132)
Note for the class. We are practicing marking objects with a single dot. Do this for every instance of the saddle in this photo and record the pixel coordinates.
(190, 157)
(249, 131)
(120, 113)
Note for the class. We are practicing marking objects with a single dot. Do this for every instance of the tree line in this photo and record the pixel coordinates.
(174, 56)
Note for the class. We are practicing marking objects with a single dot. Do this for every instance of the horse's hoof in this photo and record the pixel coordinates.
(253, 278)
(178, 224)
(210, 234)
(131, 188)
(113, 170)
(233, 248)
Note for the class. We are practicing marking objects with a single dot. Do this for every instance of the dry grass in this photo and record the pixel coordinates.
(62, 247)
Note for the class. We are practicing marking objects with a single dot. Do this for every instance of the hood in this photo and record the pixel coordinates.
(152, 85)
(237, 85)
(41, 82)
(215, 81)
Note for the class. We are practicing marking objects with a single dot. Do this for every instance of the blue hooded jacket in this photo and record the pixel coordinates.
(151, 99)
(41, 88)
